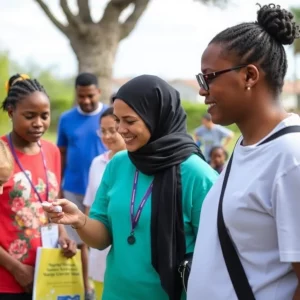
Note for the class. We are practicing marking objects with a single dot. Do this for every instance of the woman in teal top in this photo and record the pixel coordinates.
(149, 201)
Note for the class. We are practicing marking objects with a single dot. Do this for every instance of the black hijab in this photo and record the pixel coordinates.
(158, 105)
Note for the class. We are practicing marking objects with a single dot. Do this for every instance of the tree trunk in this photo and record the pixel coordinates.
(96, 54)
(95, 44)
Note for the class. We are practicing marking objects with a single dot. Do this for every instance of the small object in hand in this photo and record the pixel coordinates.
(57, 208)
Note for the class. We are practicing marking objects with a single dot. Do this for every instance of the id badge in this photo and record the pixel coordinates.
(49, 234)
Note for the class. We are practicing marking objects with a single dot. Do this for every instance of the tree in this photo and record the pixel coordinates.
(95, 43)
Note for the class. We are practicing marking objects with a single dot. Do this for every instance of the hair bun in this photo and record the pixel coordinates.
(278, 23)
(13, 79)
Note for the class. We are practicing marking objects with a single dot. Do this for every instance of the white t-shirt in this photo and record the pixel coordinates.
(97, 258)
(261, 208)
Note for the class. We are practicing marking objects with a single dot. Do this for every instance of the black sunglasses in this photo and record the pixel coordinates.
(204, 80)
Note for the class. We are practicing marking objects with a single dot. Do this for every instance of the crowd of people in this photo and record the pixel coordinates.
(138, 197)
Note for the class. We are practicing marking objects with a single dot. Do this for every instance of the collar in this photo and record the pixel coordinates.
(95, 112)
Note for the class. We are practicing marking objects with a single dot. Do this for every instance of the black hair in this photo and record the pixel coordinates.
(261, 42)
(86, 79)
(213, 149)
(207, 117)
(18, 88)
(107, 112)
(112, 98)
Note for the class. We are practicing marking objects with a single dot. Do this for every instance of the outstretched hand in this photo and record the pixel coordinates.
(69, 215)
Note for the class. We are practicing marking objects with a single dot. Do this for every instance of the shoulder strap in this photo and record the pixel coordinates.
(234, 266)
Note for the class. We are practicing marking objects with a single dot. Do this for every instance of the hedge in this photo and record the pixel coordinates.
(194, 112)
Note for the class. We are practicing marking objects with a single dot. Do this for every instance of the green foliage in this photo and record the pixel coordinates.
(194, 112)
(4, 71)
(60, 91)
(296, 13)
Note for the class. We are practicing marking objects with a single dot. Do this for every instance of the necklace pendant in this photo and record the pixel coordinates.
(131, 239)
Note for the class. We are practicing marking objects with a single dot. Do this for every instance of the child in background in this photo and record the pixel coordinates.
(6, 165)
(218, 156)
(114, 143)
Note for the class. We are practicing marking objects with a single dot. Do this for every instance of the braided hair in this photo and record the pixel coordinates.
(261, 42)
(18, 87)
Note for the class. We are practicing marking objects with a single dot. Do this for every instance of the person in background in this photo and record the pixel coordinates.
(218, 156)
(114, 143)
(244, 67)
(79, 144)
(210, 135)
(6, 164)
(150, 197)
(35, 179)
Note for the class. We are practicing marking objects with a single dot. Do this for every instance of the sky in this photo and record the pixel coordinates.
(168, 40)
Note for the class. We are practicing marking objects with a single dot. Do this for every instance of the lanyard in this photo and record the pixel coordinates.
(135, 218)
(24, 172)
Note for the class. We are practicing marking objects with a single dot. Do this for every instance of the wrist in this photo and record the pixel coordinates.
(12, 265)
(81, 221)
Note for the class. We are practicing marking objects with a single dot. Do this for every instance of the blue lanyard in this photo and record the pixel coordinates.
(24, 172)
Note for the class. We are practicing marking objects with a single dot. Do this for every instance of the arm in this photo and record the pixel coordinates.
(296, 267)
(7, 261)
(23, 274)
(92, 232)
(198, 178)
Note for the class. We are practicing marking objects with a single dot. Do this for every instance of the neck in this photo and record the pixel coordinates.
(23, 145)
(113, 152)
(260, 123)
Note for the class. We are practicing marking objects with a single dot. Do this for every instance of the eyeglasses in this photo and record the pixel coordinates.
(204, 80)
(102, 133)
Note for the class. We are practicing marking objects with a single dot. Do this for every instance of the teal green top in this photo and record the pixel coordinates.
(129, 272)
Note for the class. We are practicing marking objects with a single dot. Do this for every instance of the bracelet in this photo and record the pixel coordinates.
(85, 219)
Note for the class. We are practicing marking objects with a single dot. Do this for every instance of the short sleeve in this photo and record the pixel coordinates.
(100, 205)
(199, 131)
(224, 132)
(197, 179)
(286, 203)
(91, 191)
(200, 190)
(62, 140)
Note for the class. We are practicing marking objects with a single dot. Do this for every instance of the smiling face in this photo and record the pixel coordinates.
(88, 97)
(109, 135)
(131, 127)
(227, 96)
(31, 117)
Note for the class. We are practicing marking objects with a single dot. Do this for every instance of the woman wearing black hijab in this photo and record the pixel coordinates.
(149, 201)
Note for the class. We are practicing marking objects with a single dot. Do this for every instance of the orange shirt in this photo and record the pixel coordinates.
(21, 212)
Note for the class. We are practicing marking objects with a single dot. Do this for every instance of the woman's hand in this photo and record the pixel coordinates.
(24, 275)
(70, 214)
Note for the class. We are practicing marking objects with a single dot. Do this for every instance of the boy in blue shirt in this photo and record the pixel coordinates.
(79, 144)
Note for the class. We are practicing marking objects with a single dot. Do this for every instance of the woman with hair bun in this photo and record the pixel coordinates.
(256, 212)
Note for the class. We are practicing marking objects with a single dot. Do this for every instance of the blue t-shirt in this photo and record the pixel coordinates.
(77, 132)
(129, 271)
(211, 137)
